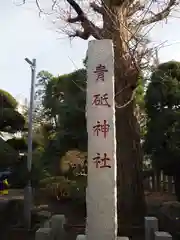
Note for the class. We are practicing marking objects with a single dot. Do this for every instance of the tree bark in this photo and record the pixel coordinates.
(177, 186)
(130, 192)
(131, 201)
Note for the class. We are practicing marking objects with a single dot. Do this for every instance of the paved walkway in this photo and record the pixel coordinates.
(13, 194)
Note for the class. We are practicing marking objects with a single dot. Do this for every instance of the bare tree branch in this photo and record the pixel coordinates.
(75, 19)
(135, 8)
(54, 3)
(37, 3)
(81, 34)
(121, 24)
(97, 8)
(159, 16)
(90, 29)
(76, 7)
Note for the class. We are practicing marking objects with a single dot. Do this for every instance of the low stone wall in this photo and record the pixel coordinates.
(152, 230)
(54, 229)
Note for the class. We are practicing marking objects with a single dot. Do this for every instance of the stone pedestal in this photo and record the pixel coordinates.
(122, 238)
(81, 237)
(57, 225)
(43, 234)
(151, 226)
(162, 236)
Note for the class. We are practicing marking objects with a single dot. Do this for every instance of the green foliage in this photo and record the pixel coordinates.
(63, 100)
(163, 109)
(74, 164)
(10, 122)
(43, 134)
(72, 109)
(62, 188)
(10, 119)
(43, 79)
(7, 100)
(7, 154)
(140, 106)
(20, 144)
(18, 178)
(53, 179)
(139, 97)
(39, 170)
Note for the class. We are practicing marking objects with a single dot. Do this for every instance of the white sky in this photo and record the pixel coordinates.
(24, 34)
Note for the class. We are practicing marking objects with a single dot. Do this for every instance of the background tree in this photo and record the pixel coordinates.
(74, 164)
(163, 110)
(63, 104)
(45, 111)
(139, 109)
(11, 121)
(20, 175)
(124, 22)
(13, 148)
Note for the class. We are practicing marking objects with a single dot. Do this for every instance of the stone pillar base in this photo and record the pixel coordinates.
(81, 237)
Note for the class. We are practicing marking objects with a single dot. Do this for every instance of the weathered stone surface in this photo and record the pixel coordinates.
(47, 224)
(101, 189)
(57, 225)
(40, 208)
(122, 238)
(162, 236)
(41, 216)
(81, 237)
(45, 214)
(151, 226)
(43, 234)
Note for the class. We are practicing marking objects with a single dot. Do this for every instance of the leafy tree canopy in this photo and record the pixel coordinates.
(63, 101)
(7, 154)
(20, 144)
(7, 100)
(11, 121)
(163, 108)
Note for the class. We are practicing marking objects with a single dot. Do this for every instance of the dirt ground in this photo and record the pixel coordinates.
(76, 218)
(155, 200)
(158, 198)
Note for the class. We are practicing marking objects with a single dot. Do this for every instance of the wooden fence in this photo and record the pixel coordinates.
(159, 182)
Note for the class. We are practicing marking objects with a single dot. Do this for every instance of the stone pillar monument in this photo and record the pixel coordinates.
(101, 189)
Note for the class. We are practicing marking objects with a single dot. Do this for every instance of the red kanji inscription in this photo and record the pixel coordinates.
(100, 70)
(101, 128)
(97, 160)
(101, 162)
(101, 100)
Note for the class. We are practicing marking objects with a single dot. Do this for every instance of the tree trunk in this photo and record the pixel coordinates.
(177, 186)
(131, 201)
(130, 192)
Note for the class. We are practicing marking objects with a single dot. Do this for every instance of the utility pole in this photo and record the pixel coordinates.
(156, 60)
(28, 188)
